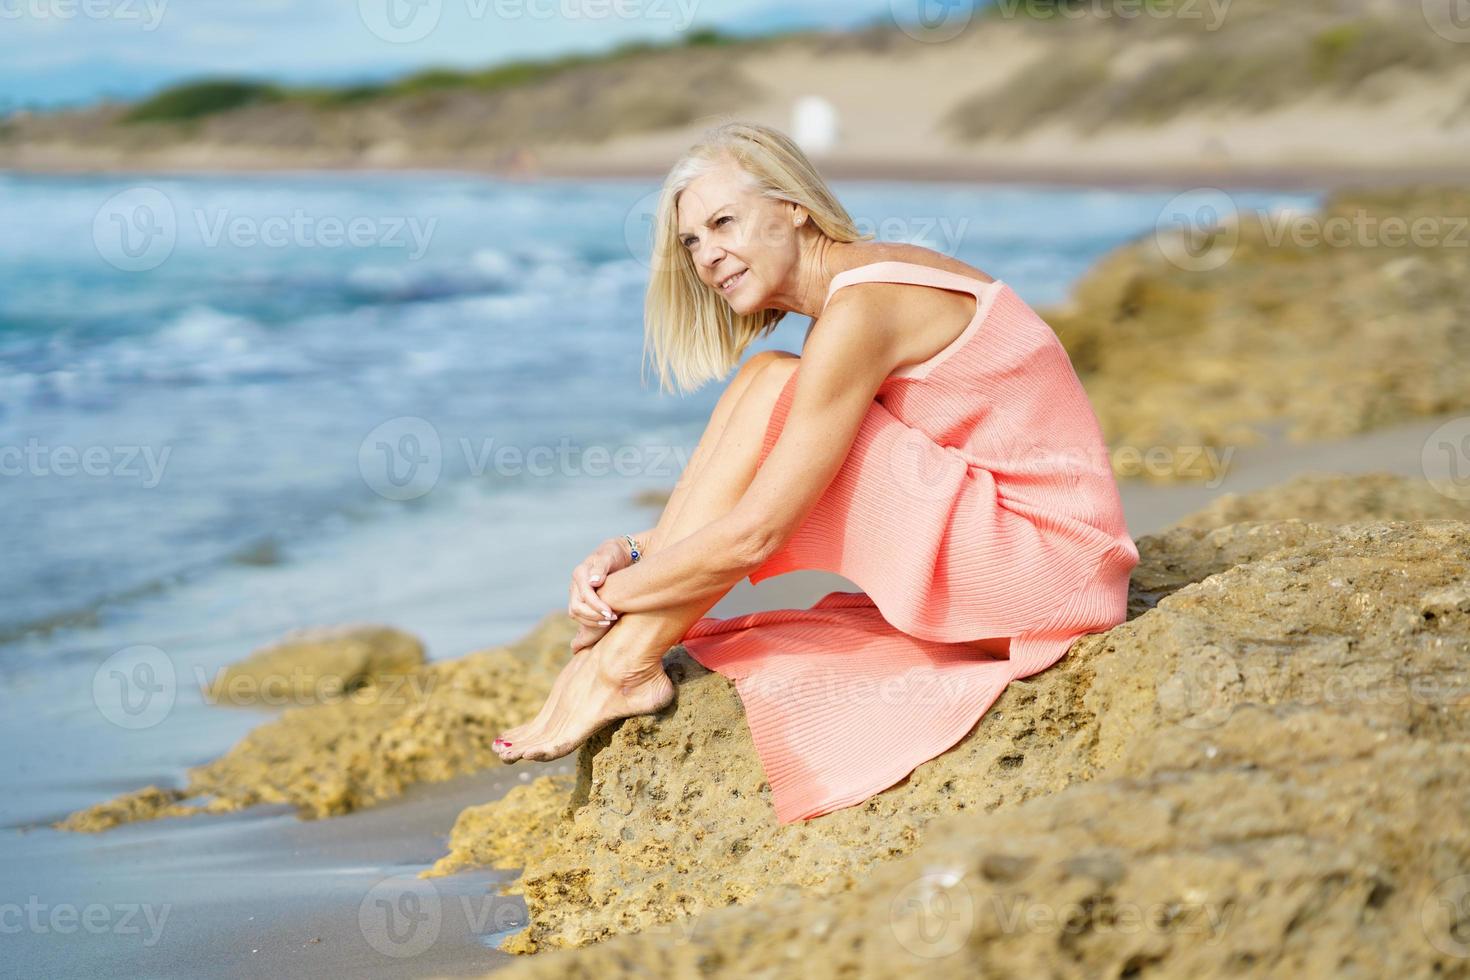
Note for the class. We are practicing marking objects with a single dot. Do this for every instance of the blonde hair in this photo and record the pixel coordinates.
(689, 330)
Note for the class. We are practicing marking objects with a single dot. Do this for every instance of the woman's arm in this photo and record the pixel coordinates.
(844, 364)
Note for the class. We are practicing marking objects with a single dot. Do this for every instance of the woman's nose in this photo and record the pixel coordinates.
(710, 255)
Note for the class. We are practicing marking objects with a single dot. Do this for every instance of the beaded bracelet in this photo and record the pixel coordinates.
(634, 548)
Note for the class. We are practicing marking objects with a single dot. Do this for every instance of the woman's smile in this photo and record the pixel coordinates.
(730, 282)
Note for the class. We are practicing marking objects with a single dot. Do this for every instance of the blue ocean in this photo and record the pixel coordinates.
(235, 405)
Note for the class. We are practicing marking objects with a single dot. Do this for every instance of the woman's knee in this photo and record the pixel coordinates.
(752, 368)
(756, 364)
(766, 386)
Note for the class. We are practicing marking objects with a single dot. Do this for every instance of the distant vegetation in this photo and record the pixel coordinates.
(203, 98)
(1253, 65)
(193, 100)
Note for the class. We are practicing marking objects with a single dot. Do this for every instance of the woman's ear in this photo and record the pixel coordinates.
(799, 215)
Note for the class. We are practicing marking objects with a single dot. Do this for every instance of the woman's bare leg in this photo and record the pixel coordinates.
(713, 431)
(622, 674)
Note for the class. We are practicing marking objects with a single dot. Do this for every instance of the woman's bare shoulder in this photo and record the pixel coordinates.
(916, 255)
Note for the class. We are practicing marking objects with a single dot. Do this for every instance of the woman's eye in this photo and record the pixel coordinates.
(722, 219)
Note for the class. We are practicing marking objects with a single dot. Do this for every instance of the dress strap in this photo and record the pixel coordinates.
(894, 270)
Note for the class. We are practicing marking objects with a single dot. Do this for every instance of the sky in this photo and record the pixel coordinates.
(61, 52)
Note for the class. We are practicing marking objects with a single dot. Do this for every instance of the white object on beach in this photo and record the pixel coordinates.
(814, 124)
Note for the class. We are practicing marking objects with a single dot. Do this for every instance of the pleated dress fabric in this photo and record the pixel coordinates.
(979, 515)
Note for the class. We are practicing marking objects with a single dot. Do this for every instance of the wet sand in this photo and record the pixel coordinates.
(260, 893)
(263, 894)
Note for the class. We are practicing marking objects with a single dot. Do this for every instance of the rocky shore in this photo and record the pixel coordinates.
(1259, 771)
(1190, 341)
(1267, 750)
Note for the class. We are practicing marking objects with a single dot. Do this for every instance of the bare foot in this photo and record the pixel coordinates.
(507, 745)
(607, 685)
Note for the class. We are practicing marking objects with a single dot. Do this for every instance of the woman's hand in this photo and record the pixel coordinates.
(583, 603)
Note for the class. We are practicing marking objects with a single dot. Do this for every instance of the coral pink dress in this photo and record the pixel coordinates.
(978, 512)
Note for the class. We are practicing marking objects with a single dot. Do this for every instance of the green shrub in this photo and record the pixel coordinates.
(194, 100)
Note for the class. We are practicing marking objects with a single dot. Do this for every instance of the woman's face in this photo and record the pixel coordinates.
(744, 245)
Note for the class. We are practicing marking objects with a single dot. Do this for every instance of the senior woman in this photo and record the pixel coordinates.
(931, 443)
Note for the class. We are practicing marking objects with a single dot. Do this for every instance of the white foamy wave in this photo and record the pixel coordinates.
(204, 327)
